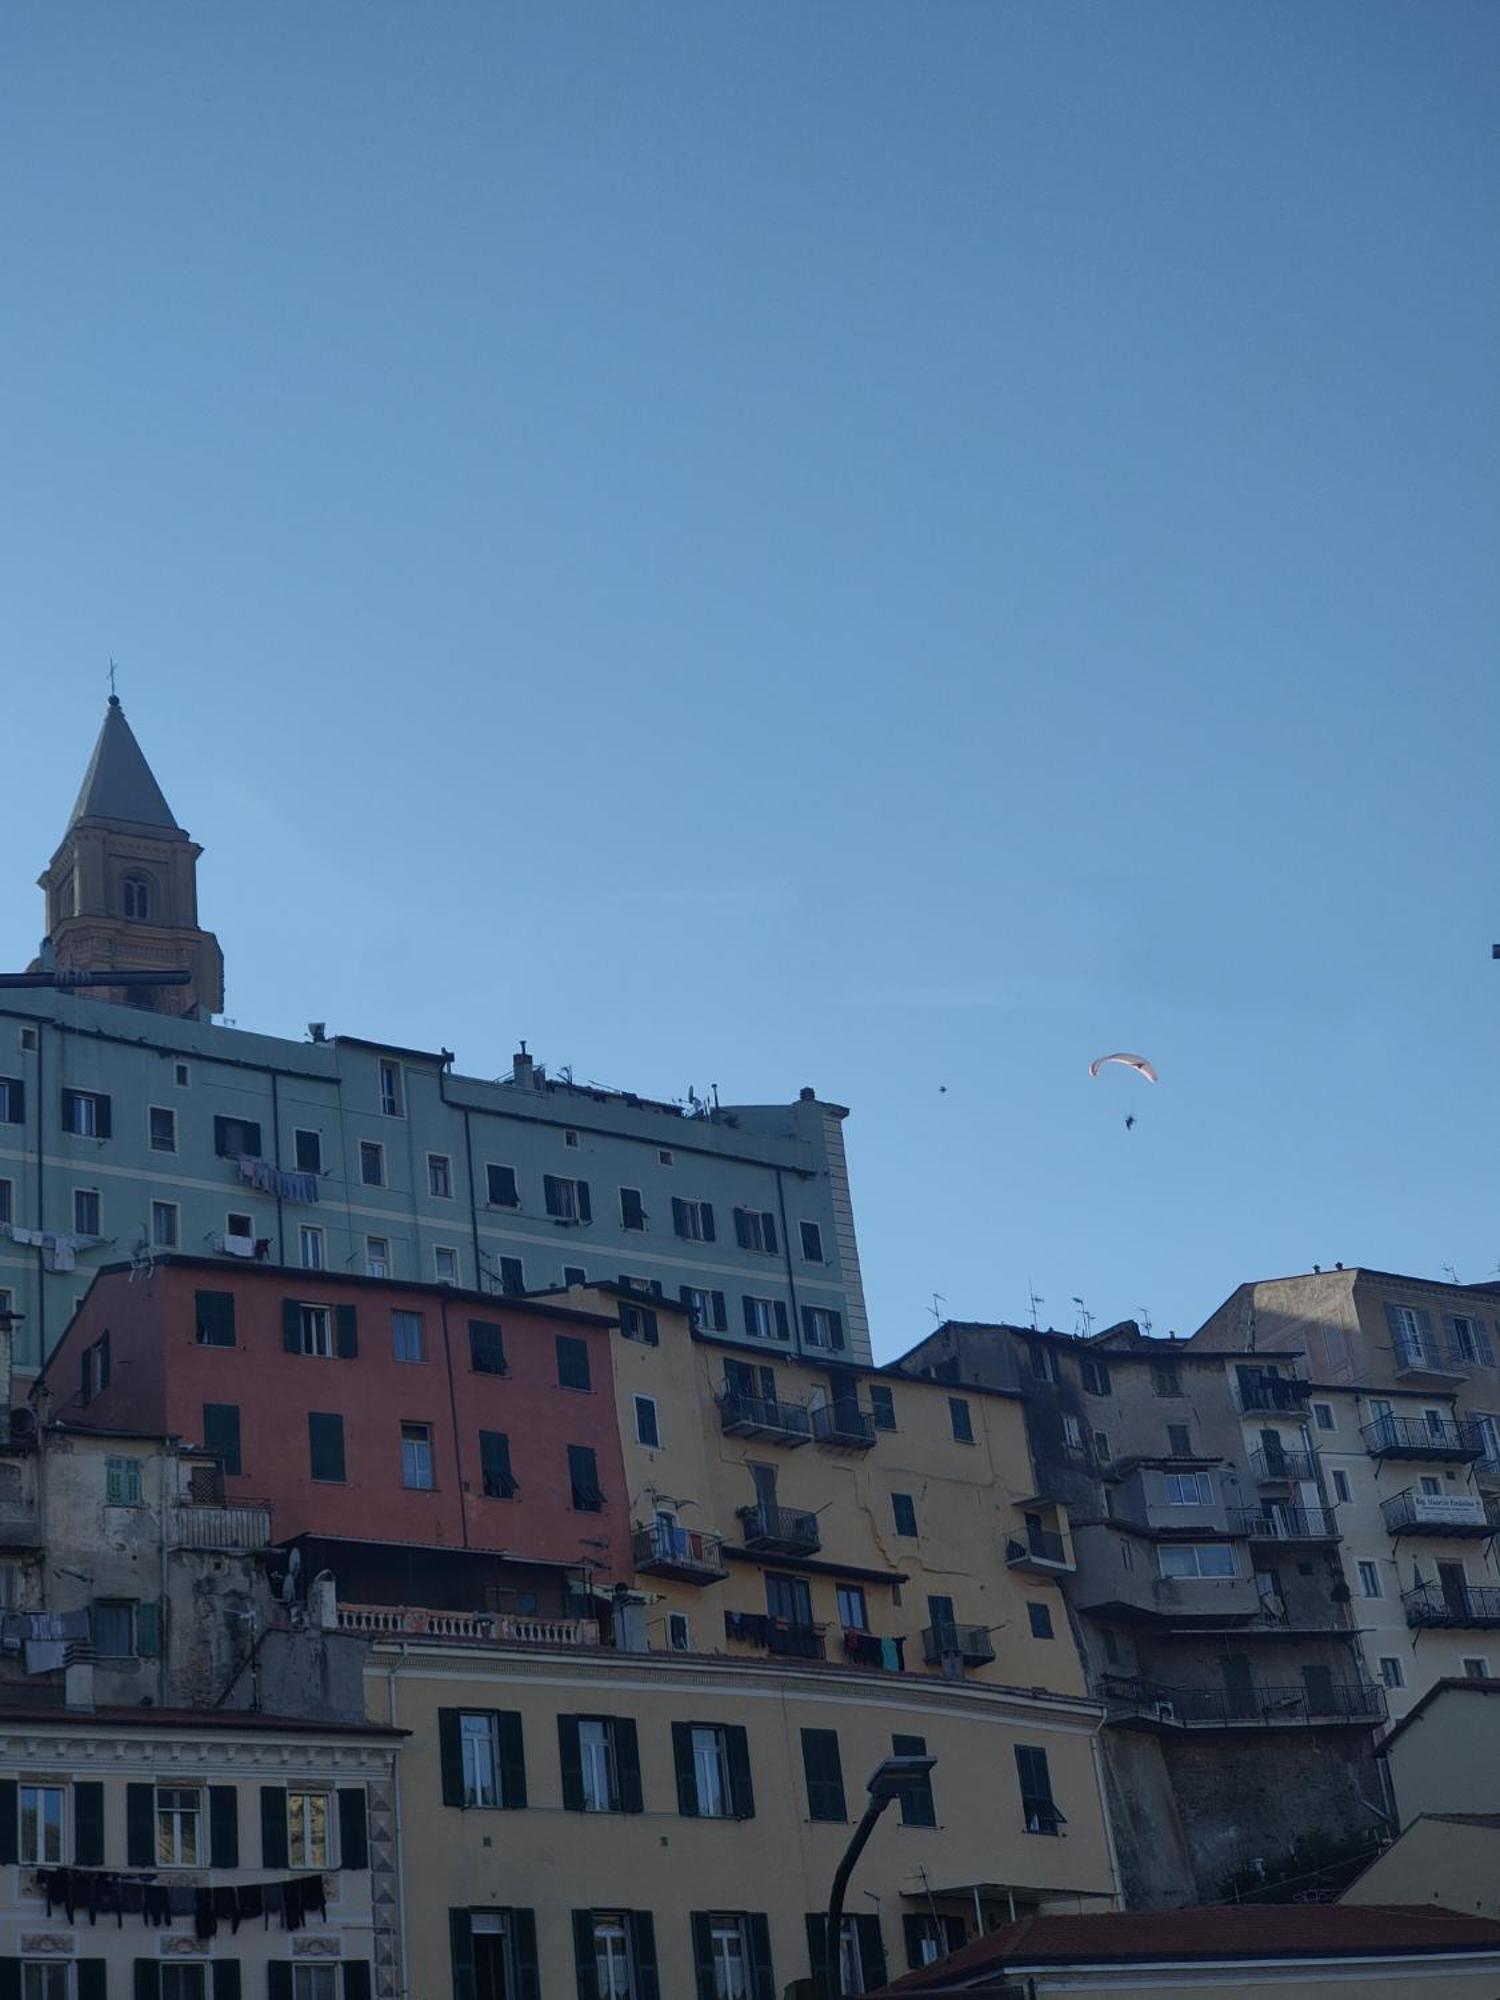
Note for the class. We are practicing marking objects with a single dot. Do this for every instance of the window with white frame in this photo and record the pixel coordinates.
(315, 1330)
(307, 1829)
(1323, 1416)
(1369, 1580)
(1392, 1673)
(179, 1828)
(821, 1327)
(184, 1982)
(1197, 1559)
(612, 1977)
(162, 1124)
(440, 1176)
(42, 1979)
(315, 1982)
(7, 1201)
(371, 1163)
(416, 1457)
(86, 1211)
(729, 1958)
(41, 1827)
(236, 1224)
(711, 1772)
(86, 1114)
(445, 1264)
(164, 1225)
(378, 1256)
(392, 1097)
(1188, 1489)
(310, 1247)
(481, 1759)
(1475, 1668)
(1341, 1488)
(596, 1753)
(760, 1317)
(406, 1336)
(1072, 1433)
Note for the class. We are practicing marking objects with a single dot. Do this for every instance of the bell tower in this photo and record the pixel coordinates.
(122, 888)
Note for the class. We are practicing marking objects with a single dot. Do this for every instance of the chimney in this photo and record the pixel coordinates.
(523, 1070)
(78, 1685)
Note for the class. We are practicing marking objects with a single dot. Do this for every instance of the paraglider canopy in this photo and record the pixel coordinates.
(1138, 1063)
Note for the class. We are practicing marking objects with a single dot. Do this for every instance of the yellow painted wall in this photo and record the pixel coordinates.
(1452, 1864)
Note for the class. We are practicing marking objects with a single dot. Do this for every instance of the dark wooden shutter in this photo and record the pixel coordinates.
(356, 1979)
(783, 1331)
(273, 1842)
(451, 1756)
(871, 1951)
(914, 1930)
(10, 1968)
(486, 1347)
(103, 1124)
(627, 1763)
(291, 1326)
(642, 1931)
(279, 1980)
(91, 1981)
(721, 1318)
(679, 1215)
(706, 1218)
(225, 1973)
(346, 1332)
(836, 1330)
(140, 1828)
(10, 1833)
(214, 1318)
(512, 1758)
(88, 1825)
(768, 1232)
(585, 1213)
(703, 1953)
(749, 1305)
(461, 1951)
(148, 1630)
(523, 1949)
(12, 1101)
(742, 1229)
(221, 1434)
(571, 1760)
(223, 1826)
(583, 1955)
(824, 1774)
(552, 1194)
(817, 1944)
(354, 1829)
(737, 1754)
(687, 1776)
(917, 1808)
(495, 1474)
(325, 1436)
(148, 1980)
(758, 1932)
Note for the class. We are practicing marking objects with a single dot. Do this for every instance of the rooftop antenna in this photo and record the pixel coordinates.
(1035, 1299)
(1085, 1318)
(937, 1300)
(1452, 1274)
(1145, 1319)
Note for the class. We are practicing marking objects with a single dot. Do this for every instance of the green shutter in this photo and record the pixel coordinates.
(451, 1756)
(824, 1774)
(148, 1980)
(703, 1949)
(223, 1826)
(643, 1954)
(273, 1842)
(356, 1979)
(354, 1832)
(10, 1968)
(279, 1980)
(225, 1973)
(817, 1944)
(762, 1982)
(584, 1963)
(585, 1213)
(917, 1808)
(679, 1215)
(325, 1444)
(571, 1761)
(781, 1321)
(9, 1827)
(523, 1950)
(871, 1951)
(148, 1630)
(346, 1332)
(221, 1434)
(628, 1764)
(103, 1125)
(721, 1318)
(512, 1758)
(687, 1776)
(140, 1829)
(213, 1314)
(461, 1951)
(706, 1215)
(291, 1326)
(741, 1790)
(91, 1980)
(88, 1825)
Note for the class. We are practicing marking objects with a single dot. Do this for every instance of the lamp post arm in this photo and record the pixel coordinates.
(833, 1952)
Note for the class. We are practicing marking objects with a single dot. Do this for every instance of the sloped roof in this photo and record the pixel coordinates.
(118, 783)
(1246, 1931)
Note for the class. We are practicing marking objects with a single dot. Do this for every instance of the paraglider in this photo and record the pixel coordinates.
(1137, 1063)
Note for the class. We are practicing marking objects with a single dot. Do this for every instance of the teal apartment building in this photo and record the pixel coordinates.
(132, 1124)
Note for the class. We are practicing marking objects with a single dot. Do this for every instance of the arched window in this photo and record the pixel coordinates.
(137, 892)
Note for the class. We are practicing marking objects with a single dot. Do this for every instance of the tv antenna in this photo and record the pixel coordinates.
(937, 1300)
(1085, 1322)
(1035, 1299)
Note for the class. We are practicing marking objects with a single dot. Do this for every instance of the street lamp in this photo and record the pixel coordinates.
(889, 1780)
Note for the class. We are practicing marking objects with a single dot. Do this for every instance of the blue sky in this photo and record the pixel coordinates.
(889, 547)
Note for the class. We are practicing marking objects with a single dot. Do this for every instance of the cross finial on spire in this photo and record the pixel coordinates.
(114, 699)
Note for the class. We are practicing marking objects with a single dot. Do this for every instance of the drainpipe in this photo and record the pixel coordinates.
(479, 1284)
(391, 1714)
(1109, 1832)
(458, 1463)
(41, 1205)
(276, 1162)
(168, 1459)
(786, 1249)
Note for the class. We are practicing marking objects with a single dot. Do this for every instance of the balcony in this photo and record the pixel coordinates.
(779, 1531)
(1282, 1468)
(687, 1554)
(1469, 1608)
(970, 1643)
(1273, 1392)
(1285, 1524)
(844, 1425)
(1434, 1438)
(237, 1527)
(781, 1422)
(795, 1642)
(466, 1628)
(20, 1523)
(1039, 1551)
(1420, 1360)
(1252, 1707)
(1487, 1472)
(1416, 1513)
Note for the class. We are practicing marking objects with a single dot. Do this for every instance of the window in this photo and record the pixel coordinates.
(312, 1328)
(1392, 1673)
(597, 1765)
(766, 1318)
(135, 898)
(1323, 1416)
(237, 1138)
(377, 1256)
(1341, 1485)
(500, 1188)
(693, 1221)
(1476, 1669)
(725, 1946)
(1101, 1446)
(163, 1128)
(1469, 1340)
(480, 1750)
(310, 1247)
(440, 1176)
(93, 1369)
(113, 1622)
(164, 1225)
(183, 1982)
(1436, 1423)
(496, 1477)
(824, 1774)
(391, 1096)
(664, 1158)
(86, 1211)
(755, 1229)
(710, 1786)
(917, 1807)
(182, 1076)
(570, 1137)
(572, 1363)
(213, 1316)
(41, 1826)
(325, 1441)
(406, 1335)
(960, 1420)
(1072, 1433)
(822, 1327)
(445, 1264)
(486, 1347)
(12, 1101)
(312, 1982)
(307, 1829)
(1369, 1580)
(679, 1633)
(178, 1829)
(1095, 1377)
(647, 1428)
(85, 1113)
(7, 1201)
(904, 1513)
(1429, 1484)
(632, 1209)
(416, 1457)
(812, 1242)
(639, 1323)
(583, 1479)
(122, 1482)
(1039, 1812)
(604, 1943)
(565, 1200)
(1040, 1616)
(1165, 1380)
(929, 1938)
(512, 1275)
(221, 1434)
(1198, 1559)
(854, 1615)
(882, 1407)
(1188, 1489)
(371, 1163)
(1179, 1441)
(236, 1224)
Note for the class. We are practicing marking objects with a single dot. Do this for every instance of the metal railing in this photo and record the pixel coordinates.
(1437, 1437)
(1430, 1604)
(764, 1415)
(1274, 1467)
(481, 1628)
(1285, 1524)
(795, 1642)
(241, 1524)
(669, 1547)
(1282, 1392)
(842, 1422)
(784, 1528)
(1257, 1707)
(972, 1644)
(1419, 1513)
(1036, 1545)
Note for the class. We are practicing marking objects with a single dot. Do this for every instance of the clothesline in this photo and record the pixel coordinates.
(102, 1892)
(280, 1181)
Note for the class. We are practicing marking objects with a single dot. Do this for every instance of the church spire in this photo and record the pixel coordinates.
(118, 783)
